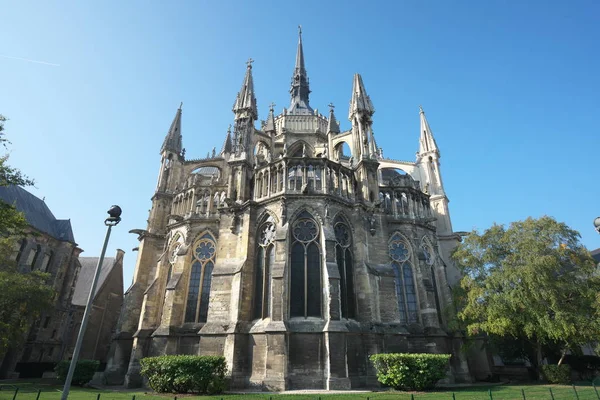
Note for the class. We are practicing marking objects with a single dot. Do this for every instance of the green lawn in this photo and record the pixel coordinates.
(29, 391)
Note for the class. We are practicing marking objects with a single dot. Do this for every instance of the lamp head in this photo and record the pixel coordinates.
(597, 224)
(115, 215)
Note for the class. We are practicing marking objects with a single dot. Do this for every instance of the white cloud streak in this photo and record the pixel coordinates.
(32, 61)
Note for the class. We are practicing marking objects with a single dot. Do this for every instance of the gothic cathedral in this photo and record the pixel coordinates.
(290, 257)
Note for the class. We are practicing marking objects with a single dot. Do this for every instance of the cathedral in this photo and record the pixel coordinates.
(290, 257)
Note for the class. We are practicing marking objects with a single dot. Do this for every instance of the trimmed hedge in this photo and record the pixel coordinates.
(410, 371)
(84, 371)
(183, 374)
(557, 373)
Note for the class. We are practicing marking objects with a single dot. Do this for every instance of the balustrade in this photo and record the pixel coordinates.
(404, 203)
(302, 176)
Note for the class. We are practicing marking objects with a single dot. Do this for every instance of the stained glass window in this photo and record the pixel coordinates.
(265, 257)
(343, 255)
(305, 271)
(203, 261)
(403, 274)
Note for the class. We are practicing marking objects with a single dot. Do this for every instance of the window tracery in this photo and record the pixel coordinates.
(305, 271)
(406, 294)
(265, 259)
(345, 265)
(203, 262)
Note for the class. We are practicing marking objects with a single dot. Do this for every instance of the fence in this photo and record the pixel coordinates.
(505, 392)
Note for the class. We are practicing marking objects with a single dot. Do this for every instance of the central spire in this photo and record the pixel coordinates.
(300, 90)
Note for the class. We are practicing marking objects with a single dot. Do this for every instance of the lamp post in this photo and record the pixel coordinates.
(597, 224)
(114, 218)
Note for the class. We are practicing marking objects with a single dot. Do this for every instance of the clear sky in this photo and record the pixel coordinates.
(510, 89)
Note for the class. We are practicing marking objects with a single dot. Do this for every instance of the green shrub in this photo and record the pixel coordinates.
(183, 374)
(84, 371)
(557, 373)
(410, 371)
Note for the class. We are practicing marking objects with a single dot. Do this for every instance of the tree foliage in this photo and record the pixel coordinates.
(23, 296)
(532, 280)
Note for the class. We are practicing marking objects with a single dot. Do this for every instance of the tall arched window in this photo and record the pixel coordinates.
(305, 271)
(203, 262)
(405, 284)
(265, 257)
(344, 259)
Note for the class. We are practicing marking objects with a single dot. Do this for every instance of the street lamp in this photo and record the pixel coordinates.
(114, 218)
(597, 224)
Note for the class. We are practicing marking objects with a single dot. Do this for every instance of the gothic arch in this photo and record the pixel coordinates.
(296, 148)
(402, 257)
(305, 267)
(344, 258)
(202, 262)
(266, 214)
(341, 215)
(309, 209)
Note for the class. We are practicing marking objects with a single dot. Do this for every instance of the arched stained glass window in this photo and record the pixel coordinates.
(344, 259)
(405, 285)
(305, 271)
(265, 257)
(203, 262)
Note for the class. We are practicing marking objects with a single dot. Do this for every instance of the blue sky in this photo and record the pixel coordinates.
(511, 91)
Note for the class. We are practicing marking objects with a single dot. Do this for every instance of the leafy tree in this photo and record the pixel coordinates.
(23, 296)
(533, 281)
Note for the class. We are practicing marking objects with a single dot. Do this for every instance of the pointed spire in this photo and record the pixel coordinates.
(332, 126)
(173, 140)
(426, 141)
(227, 143)
(300, 89)
(245, 102)
(360, 102)
(270, 125)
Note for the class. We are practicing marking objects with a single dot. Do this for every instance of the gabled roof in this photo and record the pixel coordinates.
(596, 254)
(86, 276)
(37, 213)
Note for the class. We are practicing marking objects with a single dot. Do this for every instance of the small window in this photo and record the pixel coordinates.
(53, 335)
(46, 322)
(50, 351)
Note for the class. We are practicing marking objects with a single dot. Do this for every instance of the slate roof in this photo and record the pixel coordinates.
(37, 213)
(86, 275)
(596, 254)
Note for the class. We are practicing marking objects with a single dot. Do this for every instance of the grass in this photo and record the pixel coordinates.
(29, 391)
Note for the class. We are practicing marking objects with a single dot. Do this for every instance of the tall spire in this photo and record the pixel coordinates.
(245, 102)
(270, 124)
(300, 90)
(427, 142)
(172, 142)
(332, 126)
(227, 147)
(360, 102)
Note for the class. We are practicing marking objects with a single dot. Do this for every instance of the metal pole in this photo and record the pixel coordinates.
(84, 321)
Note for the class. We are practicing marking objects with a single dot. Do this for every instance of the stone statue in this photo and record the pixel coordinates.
(303, 150)
(214, 152)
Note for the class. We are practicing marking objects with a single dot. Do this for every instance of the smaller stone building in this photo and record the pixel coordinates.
(50, 247)
(108, 298)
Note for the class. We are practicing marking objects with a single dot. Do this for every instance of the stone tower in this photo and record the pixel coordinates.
(289, 257)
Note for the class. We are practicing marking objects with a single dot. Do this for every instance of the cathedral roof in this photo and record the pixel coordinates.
(37, 213)
(86, 276)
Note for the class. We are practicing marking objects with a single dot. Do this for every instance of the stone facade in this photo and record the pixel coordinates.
(293, 259)
(50, 248)
(104, 315)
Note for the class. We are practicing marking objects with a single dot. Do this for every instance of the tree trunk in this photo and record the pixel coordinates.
(562, 356)
(538, 359)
